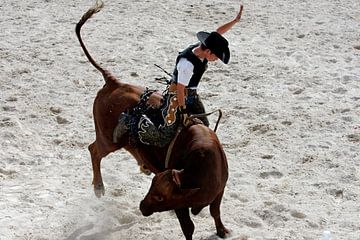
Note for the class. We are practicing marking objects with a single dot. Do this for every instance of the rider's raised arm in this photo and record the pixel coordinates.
(224, 28)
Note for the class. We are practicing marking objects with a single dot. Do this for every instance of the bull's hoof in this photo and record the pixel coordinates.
(99, 190)
(222, 231)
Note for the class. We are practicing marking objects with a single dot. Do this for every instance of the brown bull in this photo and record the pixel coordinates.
(200, 183)
(199, 141)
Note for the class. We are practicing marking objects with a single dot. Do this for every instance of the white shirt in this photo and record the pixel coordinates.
(185, 71)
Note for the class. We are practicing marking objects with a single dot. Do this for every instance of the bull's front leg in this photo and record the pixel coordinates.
(99, 188)
(187, 226)
(221, 231)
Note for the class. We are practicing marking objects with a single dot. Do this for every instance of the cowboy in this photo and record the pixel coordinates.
(181, 97)
(191, 64)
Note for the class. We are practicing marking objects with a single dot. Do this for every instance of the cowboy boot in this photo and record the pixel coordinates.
(120, 129)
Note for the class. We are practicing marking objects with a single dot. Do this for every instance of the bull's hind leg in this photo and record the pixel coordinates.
(221, 231)
(96, 155)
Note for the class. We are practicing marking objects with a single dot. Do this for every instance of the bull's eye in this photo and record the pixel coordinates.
(159, 198)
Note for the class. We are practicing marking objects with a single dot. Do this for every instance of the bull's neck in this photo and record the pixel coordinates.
(153, 158)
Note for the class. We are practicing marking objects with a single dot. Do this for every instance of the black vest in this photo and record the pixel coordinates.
(199, 66)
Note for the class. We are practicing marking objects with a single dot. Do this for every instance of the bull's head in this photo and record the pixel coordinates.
(166, 193)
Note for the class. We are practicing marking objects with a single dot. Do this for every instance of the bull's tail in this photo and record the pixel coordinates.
(96, 8)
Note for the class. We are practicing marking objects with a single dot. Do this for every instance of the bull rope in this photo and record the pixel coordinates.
(200, 115)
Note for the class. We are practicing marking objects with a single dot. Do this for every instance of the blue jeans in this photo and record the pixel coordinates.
(195, 106)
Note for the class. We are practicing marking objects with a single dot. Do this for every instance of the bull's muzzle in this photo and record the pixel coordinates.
(145, 209)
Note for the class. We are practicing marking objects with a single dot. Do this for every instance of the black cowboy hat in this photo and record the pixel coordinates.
(216, 43)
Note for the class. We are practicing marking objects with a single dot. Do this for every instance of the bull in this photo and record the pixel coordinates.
(204, 174)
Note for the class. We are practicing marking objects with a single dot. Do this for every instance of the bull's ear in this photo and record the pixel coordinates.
(177, 176)
(185, 193)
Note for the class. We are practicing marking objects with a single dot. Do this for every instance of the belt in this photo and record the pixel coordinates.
(188, 91)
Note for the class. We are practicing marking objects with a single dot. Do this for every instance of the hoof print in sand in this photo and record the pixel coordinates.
(273, 174)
